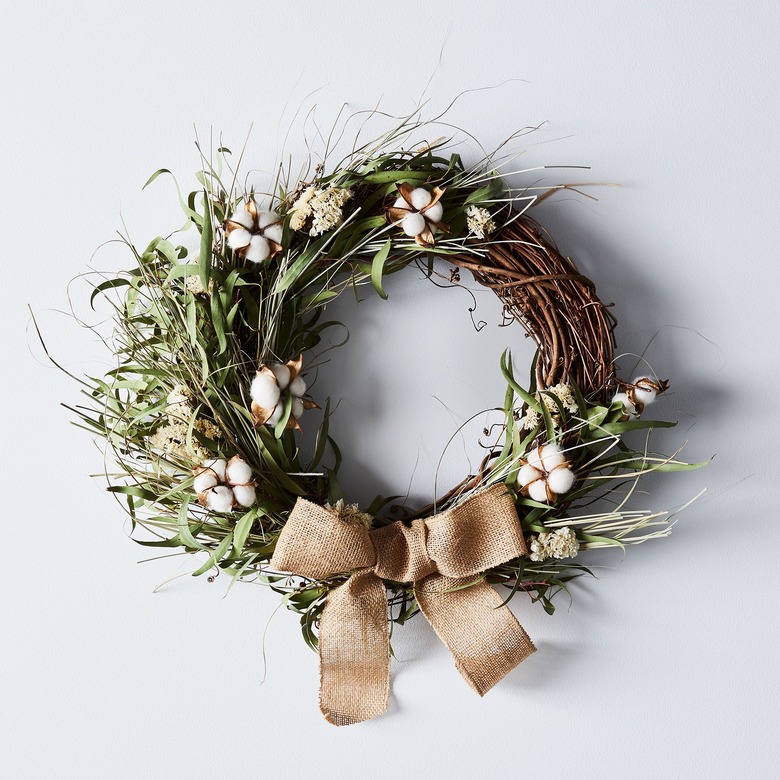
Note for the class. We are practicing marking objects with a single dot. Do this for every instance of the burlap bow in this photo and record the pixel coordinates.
(440, 555)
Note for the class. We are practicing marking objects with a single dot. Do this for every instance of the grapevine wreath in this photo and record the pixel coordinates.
(217, 352)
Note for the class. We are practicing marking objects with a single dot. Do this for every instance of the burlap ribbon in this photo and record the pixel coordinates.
(440, 555)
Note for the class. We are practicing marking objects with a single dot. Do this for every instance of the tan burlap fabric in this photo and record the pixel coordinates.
(442, 556)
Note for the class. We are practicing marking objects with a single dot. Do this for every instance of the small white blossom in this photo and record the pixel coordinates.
(323, 208)
(479, 221)
(179, 404)
(561, 543)
(564, 393)
(195, 285)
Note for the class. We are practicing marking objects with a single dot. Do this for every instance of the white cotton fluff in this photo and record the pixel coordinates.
(435, 212)
(204, 481)
(644, 392)
(267, 222)
(420, 197)
(259, 249)
(276, 416)
(220, 499)
(217, 465)
(298, 386)
(242, 217)
(560, 480)
(547, 458)
(282, 374)
(297, 408)
(265, 391)
(413, 223)
(527, 474)
(244, 494)
(622, 398)
(400, 203)
(552, 456)
(537, 491)
(238, 472)
(239, 238)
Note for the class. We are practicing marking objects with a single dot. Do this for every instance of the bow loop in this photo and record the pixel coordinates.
(476, 535)
(316, 544)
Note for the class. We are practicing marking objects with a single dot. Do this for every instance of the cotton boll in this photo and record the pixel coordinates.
(560, 480)
(276, 416)
(298, 386)
(282, 374)
(420, 197)
(537, 491)
(534, 459)
(242, 217)
(297, 408)
(273, 233)
(622, 398)
(266, 218)
(204, 481)
(217, 465)
(238, 471)
(435, 212)
(266, 221)
(245, 495)
(220, 499)
(239, 238)
(551, 456)
(400, 203)
(259, 250)
(527, 474)
(264, 391)
(644, 392)
(413, 223)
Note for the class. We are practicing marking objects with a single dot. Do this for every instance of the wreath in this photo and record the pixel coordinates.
(215, 383)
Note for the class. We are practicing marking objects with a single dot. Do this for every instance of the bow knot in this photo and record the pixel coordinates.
(440, 555)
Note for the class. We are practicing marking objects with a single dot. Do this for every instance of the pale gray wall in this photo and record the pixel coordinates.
(664, 667)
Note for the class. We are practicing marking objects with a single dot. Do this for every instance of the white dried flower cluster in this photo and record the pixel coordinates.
(171, 439)
(349, 513)
(479, 221)
(223, 485)
(561, 543)
(179, 402)
(321, 209)
(546, 474)
(195, 285)
(563, 392)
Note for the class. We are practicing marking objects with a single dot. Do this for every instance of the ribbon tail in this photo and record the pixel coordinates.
(354, 651)
(485, 639)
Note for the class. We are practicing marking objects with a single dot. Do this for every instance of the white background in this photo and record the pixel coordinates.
(666, 666)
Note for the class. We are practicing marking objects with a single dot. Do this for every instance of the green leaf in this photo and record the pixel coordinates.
(109, 285)
(216, 555)
(242, 529)
(634, 425)
(378, 267)
(206, 247)
(185, 533)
